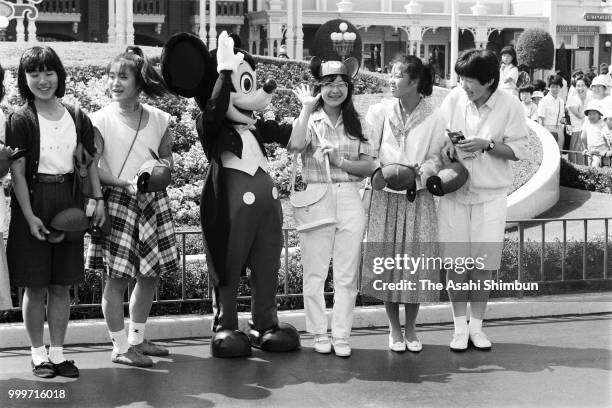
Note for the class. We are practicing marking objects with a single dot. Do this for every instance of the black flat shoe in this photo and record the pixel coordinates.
(66, 369)
(43, 370)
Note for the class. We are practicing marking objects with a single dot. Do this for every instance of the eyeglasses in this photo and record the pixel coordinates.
(338, 85)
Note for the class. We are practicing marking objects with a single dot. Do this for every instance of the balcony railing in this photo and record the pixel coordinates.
(149, 6)
(230, 8)
(59, 6)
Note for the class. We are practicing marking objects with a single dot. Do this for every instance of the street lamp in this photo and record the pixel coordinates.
(343, 41)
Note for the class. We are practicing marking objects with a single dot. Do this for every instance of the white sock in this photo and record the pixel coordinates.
(475, 325)
(136, 335)
(56, 355)
(120, 341)
(39, 355)
(461, 325)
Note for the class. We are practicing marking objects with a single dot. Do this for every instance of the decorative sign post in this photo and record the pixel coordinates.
(9, 11)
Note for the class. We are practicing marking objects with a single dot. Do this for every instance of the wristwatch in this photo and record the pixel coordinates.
(491, 146)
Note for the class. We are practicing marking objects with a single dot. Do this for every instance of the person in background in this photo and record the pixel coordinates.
(606, 133)
(508, 71)
(531, 109)
(592, 133)
(563, 92)
(599, 90)
(572, 89)
(539, 85)
(536, 97)
(575, 108)
(551, 110)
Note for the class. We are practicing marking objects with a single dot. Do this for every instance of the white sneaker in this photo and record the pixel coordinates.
(322, 344)
(480, 341)
(459, 342)
(341, 347)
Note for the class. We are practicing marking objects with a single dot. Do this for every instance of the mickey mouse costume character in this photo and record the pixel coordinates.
(241, 215)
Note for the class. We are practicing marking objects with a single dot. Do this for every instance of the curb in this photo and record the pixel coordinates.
(14, 335)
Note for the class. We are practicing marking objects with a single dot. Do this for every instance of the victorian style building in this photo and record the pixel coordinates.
(386, 27)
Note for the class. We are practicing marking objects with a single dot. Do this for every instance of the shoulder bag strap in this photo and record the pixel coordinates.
(132, 145)
(327, 167)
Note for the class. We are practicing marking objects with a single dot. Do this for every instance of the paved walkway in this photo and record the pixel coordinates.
(575, 203)
(544, 362)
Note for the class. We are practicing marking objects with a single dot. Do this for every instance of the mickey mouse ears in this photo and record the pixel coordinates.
(348, 67)
(185, 63)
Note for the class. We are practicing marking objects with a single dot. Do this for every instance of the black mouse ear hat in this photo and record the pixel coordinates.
(348, 67)
(186, 65)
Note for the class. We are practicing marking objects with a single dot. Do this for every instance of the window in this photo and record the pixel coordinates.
(371, 56)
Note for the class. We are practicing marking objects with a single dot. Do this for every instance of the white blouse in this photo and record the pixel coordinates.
(118, 137)
(58, 140)
(418, 141)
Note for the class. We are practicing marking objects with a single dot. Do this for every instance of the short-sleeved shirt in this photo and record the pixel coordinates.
(594, 135)
(58, 140)
(500, 119)
(505, 72)
(606, 133)
(347, 146)
(552, 110)
(574, 101)
(118, 136)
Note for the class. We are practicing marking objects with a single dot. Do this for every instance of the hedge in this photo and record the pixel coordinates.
(598, 179)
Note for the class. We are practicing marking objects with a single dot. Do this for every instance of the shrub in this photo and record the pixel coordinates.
(535, 49)
(597, 179)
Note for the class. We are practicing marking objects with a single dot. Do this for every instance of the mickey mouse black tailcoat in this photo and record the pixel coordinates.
(217, 134)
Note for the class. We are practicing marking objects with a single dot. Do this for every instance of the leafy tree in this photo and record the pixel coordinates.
(535, 49)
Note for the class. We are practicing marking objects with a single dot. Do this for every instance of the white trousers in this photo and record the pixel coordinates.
(342, 243)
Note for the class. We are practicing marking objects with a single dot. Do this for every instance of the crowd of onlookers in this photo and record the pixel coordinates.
(577, 113)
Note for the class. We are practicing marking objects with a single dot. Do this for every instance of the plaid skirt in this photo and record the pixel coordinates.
(142, 241)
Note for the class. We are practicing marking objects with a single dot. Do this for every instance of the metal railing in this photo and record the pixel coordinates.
(520, 225)
(580, 157)
(148, 6)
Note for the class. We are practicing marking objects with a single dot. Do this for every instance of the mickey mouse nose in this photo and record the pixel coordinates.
(269, 86)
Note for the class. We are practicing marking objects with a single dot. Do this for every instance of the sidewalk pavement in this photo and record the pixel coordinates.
(574, 203)
(535, 362)
(94, 331)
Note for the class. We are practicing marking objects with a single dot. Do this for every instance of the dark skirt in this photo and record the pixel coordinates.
(38, 263)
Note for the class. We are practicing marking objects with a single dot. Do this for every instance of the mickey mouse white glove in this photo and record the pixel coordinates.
(226, 59)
